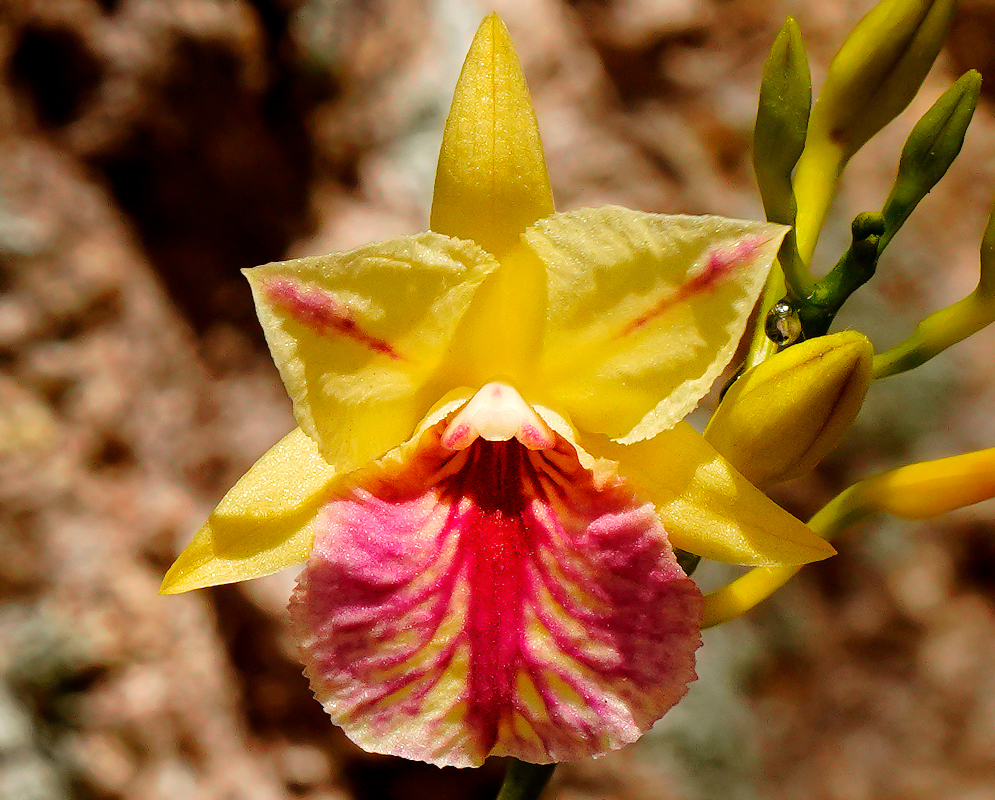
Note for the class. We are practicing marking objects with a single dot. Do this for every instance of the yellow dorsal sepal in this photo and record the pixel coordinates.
(491, 182)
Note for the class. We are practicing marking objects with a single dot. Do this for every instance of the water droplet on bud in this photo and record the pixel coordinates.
(782, 325)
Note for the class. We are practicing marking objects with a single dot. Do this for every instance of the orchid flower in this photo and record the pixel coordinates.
(491, 469)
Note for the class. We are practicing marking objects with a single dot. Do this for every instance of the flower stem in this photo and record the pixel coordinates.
(817, 309)
(915, 491)
(524, 781)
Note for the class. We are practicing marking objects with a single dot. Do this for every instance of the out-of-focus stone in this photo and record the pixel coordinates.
(25, 422)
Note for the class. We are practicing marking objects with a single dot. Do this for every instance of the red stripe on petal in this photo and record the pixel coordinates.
(321, 311)
(498, 604)
(721, 262)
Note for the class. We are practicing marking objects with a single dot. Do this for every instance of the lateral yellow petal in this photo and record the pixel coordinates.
(644, 311)
(263, 524)
(359, 336)
(706, 506)
(491, 183)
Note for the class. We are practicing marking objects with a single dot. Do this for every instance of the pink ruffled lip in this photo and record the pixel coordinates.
(494, 601)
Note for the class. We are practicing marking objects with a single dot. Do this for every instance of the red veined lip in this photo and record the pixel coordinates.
(494, 601)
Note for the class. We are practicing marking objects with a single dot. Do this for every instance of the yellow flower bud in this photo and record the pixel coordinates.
(782, 417)
(873, 77)
(880, 67)
(920, 491)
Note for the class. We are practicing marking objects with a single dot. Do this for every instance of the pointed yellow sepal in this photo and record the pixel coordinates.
(781, 417)
(708, 508)
(491, 182)
(263, 524)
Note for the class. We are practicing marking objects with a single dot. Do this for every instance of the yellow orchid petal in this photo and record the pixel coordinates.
(263, 524)
(644, 311)
(491, 182)
(501, 335)
(706, 506)
(359, 336)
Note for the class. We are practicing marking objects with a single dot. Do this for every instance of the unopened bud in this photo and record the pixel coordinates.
(879, 69)
(782, 118)
(873, 77)
(930, 149)
(783, 416)
(920, 491)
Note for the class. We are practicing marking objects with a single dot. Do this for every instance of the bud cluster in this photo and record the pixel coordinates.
(804, 386)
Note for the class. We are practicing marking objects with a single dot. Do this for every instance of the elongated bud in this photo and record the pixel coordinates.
(873, 77)
(782, 417)
(920, 491)
(782, 119)
(879, 69)
(930, 149)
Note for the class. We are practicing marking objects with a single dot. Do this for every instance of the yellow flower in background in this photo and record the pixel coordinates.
(491, 469)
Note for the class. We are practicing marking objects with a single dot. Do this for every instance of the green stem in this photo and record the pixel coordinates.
(524, 781)
(818, 310)
(818, 307)
(797, 278)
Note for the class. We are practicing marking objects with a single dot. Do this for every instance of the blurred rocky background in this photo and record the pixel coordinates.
(149, 149)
